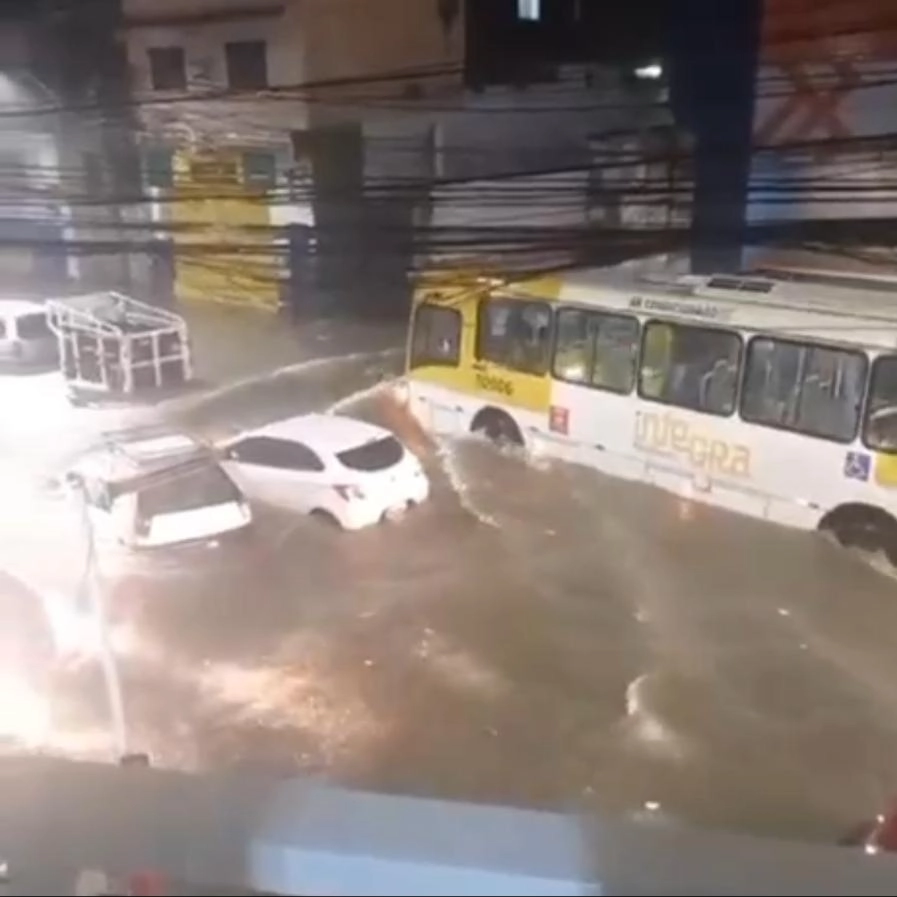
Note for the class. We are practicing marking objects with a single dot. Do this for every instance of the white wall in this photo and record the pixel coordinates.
(550, 126)
(29, 156)
(29, 165)
(485, 220)
(221, 119)
(544, 126)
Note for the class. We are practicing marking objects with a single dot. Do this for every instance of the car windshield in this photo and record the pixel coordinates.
(379, 454)
(186, 488)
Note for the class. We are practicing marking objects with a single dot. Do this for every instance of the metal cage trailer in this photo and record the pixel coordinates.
(113, 345)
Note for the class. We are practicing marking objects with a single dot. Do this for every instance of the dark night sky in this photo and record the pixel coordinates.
(611, 26)
(501, 47)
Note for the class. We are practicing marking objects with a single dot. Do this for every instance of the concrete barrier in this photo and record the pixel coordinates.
(252, 834)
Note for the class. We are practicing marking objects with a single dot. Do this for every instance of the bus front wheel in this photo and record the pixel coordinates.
(863, 527)
(497, 426)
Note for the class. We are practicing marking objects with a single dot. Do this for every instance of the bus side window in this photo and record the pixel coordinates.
(811, 389)
(691, 367)
(616, 351)
(515, 334)
(436, 336)
(596, 349)
(657, 347)
(574, 346)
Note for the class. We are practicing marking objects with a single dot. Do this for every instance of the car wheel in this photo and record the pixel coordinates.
(326, 518)
(394, 515)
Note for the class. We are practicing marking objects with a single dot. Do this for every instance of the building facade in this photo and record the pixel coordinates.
(68, 176)
(33, 225)
(342, 139)
(214, 137)
(253, 121)
(825, 112)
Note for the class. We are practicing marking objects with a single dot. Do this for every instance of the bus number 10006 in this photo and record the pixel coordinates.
(495, 384)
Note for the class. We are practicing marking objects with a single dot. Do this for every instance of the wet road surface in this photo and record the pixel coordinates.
(537, 635)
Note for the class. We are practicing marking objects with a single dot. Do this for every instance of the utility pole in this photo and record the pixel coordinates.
(95, 597)
(714, 72)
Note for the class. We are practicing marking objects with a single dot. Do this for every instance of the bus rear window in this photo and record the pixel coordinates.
(186, 489)
(380, 454)
(436, 336)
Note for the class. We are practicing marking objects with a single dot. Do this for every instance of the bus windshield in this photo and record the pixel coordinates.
(881, 412)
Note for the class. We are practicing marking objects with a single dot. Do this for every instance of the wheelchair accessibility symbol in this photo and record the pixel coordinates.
(857, 466)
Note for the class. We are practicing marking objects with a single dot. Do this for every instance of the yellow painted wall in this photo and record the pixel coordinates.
(215, 209)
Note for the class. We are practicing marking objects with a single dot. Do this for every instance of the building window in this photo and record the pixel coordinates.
(158, 167)
(810, 389)
(690, 367)
(168, 68)
(259, 170)
(529, 10)
(214, 171)
(247, 64)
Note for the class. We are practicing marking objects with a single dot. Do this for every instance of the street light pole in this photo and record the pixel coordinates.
(95, 596)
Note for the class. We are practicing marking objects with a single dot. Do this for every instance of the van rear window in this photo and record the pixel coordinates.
(377, 455)
(186, 489)
(33, 326)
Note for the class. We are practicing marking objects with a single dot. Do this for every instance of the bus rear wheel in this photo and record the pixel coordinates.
(864, 528)
(497, 426)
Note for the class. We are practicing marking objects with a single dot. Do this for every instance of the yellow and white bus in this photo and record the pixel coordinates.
(774, 395)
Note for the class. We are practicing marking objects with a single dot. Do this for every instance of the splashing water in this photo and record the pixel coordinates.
(447, 453)
(182, 403)
(644, 719)
(25, 717)
(346, 403)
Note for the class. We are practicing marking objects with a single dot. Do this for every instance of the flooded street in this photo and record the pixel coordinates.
(536, 635)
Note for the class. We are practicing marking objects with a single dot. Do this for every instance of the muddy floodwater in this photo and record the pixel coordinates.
(537, 634)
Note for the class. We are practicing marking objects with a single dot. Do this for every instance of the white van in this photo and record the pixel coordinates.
(25, 335)
(159, 491)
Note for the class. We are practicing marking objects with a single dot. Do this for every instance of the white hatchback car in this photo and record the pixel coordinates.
(348, 471)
